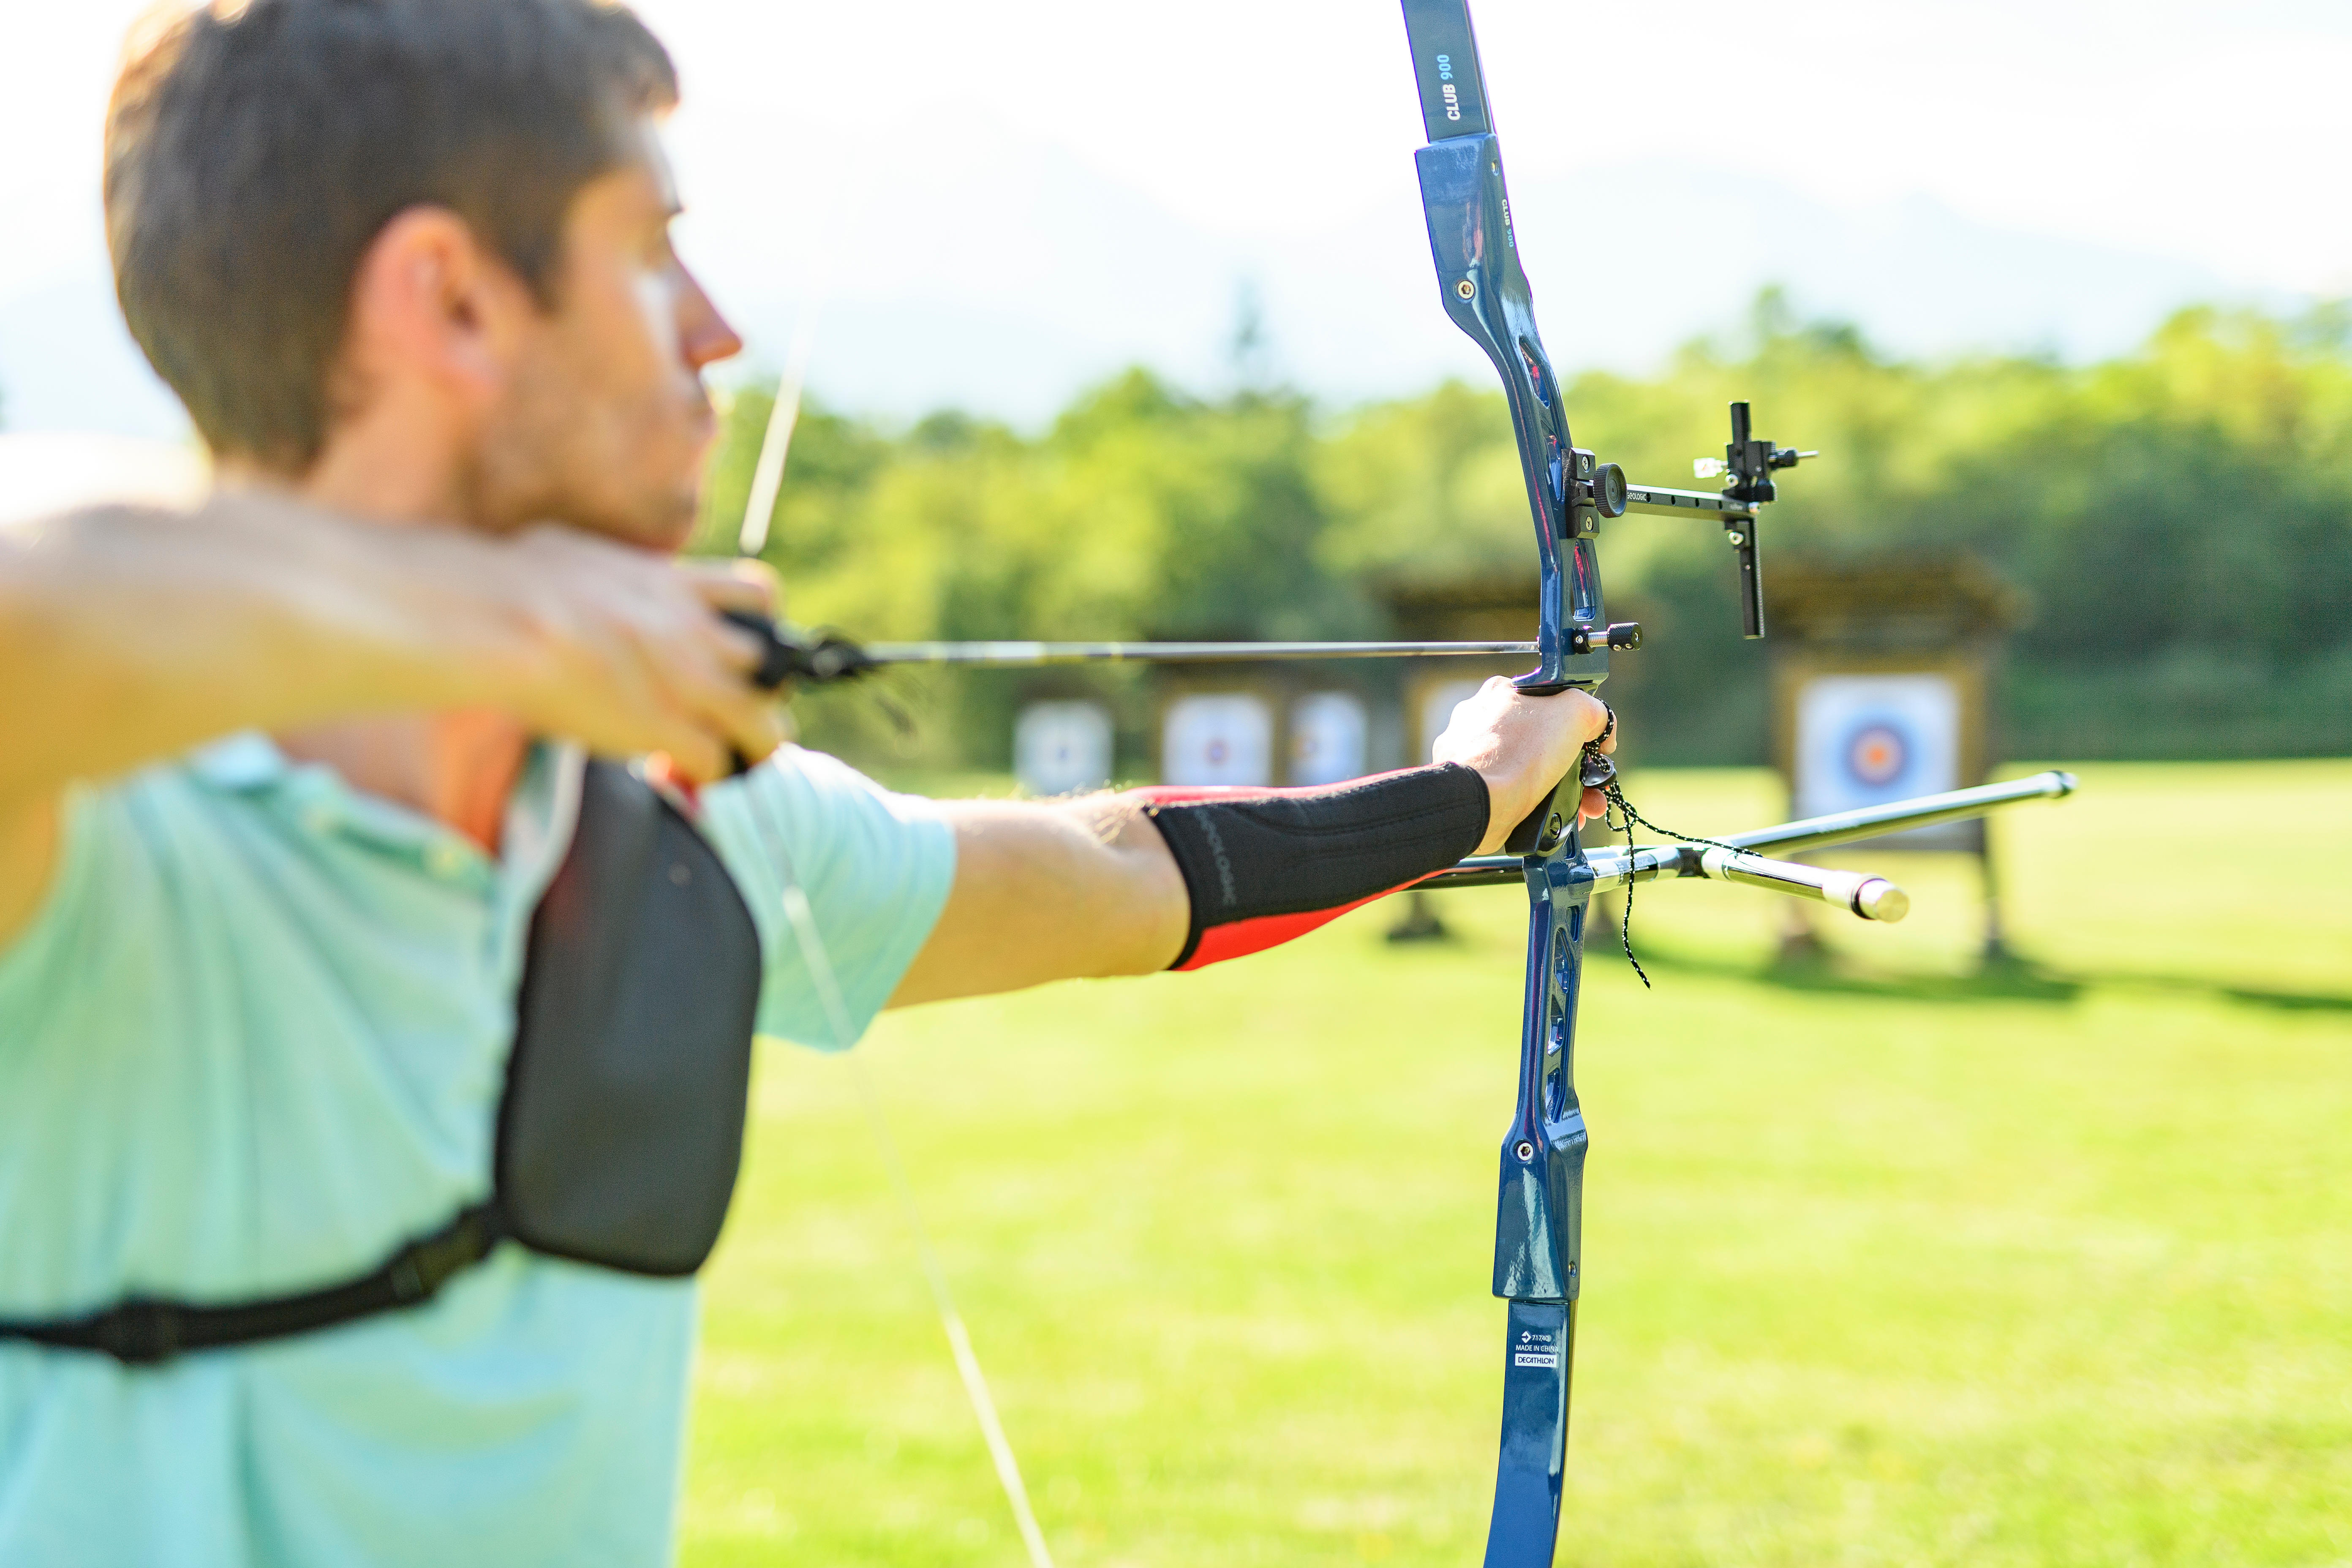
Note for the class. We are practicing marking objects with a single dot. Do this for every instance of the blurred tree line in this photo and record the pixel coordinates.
(2178, 520)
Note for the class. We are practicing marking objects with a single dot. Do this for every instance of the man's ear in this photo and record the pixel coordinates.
(433, 309)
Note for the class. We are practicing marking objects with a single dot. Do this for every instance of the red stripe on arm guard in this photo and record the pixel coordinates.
(1263, 866)
(1239, 939)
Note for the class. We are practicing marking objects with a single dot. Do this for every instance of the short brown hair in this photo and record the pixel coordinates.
(254, 150)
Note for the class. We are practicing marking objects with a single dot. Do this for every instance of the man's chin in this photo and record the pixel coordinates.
(670, 535)
(664, 527)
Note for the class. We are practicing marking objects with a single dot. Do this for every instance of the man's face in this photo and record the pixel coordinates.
(605, 421)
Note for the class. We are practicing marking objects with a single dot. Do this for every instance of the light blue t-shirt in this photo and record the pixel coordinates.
(253, 1039)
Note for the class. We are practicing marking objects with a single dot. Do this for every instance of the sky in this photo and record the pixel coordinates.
(992, 204)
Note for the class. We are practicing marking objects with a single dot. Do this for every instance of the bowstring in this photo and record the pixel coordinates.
(799, 917)
(1613, 795)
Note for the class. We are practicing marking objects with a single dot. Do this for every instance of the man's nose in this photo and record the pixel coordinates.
(703, 335)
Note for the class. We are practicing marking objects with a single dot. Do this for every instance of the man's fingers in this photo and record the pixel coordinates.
(641, 659)
(752, 730)
(704, 660)
(698, 758)
(735, 716)
(763, 577)
(733, 585)
(1592, 719)
(717, 591)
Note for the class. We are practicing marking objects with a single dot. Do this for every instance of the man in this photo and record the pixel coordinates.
(287, 779)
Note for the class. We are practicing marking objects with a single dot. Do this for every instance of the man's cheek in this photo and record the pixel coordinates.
(656, 305)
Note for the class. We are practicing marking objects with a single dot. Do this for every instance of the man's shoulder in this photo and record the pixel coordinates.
(86, 835)
(219, 827)
(28, 856)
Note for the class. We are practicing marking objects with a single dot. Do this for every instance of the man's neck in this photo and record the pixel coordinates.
(456, 767)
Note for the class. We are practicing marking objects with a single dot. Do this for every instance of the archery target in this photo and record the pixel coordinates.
(1875, 755)
(1865, 740)
(1328, 735)
(1217, 738)
(1062, 747)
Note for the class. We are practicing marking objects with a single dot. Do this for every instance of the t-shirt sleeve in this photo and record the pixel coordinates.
(874, 866)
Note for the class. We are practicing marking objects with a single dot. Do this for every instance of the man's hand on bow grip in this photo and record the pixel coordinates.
(625, 653)
(1522, 746)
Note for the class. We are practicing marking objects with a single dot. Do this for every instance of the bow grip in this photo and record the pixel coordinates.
(1540, 831)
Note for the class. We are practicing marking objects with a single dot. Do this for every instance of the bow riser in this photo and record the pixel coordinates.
(1538, 1221)
(1539, 1218)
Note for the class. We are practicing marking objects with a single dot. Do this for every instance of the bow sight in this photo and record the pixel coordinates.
(1601, 489)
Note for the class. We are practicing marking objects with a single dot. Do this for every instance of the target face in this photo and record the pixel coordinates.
(1062, 747)
(1329, 732)
(1217, 738)
(1875, 755)
(1865, 740)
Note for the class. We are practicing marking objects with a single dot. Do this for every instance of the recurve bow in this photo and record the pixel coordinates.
(1540, 1209)
(1541, 1189)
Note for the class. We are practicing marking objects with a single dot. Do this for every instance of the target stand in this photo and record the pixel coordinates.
(1881, 679)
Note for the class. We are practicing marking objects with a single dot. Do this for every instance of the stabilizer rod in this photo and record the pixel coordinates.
(1612, 867)
(1896, 816)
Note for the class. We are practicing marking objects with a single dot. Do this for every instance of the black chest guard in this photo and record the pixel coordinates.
(621, 1129)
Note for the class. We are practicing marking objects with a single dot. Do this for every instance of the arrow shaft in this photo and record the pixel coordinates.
(1021, 655)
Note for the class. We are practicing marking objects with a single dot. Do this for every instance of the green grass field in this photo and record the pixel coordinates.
(1885, 1261)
